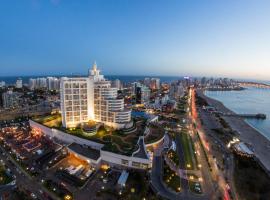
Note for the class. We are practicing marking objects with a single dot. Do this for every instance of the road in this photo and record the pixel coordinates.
(157, 179)
(216, 172)
(23, 179)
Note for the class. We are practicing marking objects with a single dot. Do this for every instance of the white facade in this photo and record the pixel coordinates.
(32, 84)
(19, 83)
(2, 84)
(76, 101)
(92, 98)
(109, 109)
(105, 156)
(53, 83)
(10, 99)
(117, 84)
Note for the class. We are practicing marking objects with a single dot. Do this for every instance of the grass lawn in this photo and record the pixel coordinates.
(171, 179)
(173, 156)
(185, 140)
(116, 141)
(54, 120)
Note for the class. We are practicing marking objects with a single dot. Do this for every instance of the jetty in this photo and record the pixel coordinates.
(255, 116)
(247, 134)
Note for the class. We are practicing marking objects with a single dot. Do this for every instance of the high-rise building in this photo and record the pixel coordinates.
(92, 98)
(109, 109)
(10, 99)
(41, 83)
(117, 84)
(176, 90)
(76, 100)
(155, 84)
(142, 93)
(53, 83)
(147, 82)
(2, 84)
(32, 84)
(19, 83)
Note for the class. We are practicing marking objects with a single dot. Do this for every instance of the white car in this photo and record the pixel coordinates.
(33, 195)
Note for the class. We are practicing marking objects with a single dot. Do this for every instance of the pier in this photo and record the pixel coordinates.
(255, 116)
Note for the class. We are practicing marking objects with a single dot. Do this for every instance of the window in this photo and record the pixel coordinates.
(136, 164)
(75, 85)
(124, 162)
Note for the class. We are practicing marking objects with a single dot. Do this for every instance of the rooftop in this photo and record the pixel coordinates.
(116, 141)
(141, 153)
(88, 152)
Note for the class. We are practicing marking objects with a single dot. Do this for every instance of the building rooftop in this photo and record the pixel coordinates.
(88, 152)
(243, 148)
(123, 178)
(141, 153)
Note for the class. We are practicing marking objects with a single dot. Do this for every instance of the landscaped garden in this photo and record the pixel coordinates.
(156, 133)
(189, 151)
(51, 121)
(173, 156)
(116, 141)
(171, 179)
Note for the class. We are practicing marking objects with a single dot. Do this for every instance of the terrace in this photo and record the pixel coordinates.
(155, 134)
(116, 141)
(87, 152)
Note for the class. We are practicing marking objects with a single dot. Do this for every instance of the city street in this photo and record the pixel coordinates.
(24, 180)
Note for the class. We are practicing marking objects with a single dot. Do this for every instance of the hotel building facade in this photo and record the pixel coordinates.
(92, 98)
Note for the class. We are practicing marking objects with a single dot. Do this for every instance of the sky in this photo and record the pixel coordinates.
(228, 38)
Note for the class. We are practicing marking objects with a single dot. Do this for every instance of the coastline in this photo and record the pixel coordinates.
(246, 132)
(257, 130)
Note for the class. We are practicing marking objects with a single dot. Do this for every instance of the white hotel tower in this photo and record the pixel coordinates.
(92, 98)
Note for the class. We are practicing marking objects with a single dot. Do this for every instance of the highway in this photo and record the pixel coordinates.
(217, 174)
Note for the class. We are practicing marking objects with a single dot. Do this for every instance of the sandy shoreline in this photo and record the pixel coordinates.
(247, 133)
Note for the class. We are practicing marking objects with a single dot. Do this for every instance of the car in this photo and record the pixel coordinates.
(33, 195)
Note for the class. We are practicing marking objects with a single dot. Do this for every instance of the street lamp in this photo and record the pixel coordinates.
(67, 197)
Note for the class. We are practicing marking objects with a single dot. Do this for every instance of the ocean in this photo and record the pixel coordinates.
(249, 101)
(9, 80)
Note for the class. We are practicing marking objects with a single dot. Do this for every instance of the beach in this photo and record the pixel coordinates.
(246, 133)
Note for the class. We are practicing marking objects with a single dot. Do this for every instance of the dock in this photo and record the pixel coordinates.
(255, 116)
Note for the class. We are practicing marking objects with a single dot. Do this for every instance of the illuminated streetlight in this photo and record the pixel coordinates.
(67, 197)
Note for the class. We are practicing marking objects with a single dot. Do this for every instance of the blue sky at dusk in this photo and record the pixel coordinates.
(140, 37)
